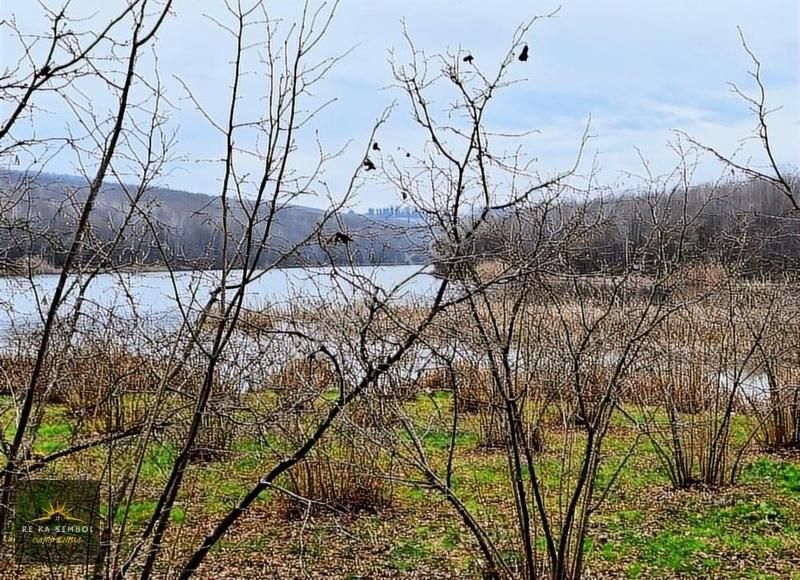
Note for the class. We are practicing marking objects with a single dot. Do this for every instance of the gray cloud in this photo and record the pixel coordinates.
(639, 68)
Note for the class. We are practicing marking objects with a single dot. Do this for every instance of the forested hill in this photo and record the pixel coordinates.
(38, 215)
(748, 225)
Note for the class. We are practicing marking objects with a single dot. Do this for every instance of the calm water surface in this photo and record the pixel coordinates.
(157, 295)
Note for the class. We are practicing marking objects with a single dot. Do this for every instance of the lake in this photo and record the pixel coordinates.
(156, 295)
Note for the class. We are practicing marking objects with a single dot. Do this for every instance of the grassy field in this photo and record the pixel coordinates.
(644, 529)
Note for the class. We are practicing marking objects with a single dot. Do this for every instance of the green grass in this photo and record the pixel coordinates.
(138, 512)
(784, 475)
(178, 515)
(158, 461)
(53, 437)
(699, 538)
(438, 440)
(636, 532)
(53, 434)
(674, 551)
(406, 554)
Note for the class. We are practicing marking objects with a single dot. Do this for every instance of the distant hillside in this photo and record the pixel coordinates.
(38, 215)
(747, 225)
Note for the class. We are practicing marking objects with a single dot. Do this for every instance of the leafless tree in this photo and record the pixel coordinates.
(23, 85)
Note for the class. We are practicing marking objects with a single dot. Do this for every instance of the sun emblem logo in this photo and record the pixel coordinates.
(57, 512)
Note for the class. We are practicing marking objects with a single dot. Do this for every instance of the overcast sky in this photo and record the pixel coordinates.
(640, 68)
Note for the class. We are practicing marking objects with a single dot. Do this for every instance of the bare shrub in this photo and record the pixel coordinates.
(473, 387)
(92, 377)
(216, 434)
(373, 412)
(14, 372)
(95, 381)
(779, 411)
(686, 387)
(493, 428)
(301, 380)
(343, 474)
(395, 387)
(473, 384)
(433, 380)
(700, 385)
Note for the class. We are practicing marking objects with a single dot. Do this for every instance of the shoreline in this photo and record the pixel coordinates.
(159, 269)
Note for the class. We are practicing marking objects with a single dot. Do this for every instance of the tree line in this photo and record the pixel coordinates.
(747, 225)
